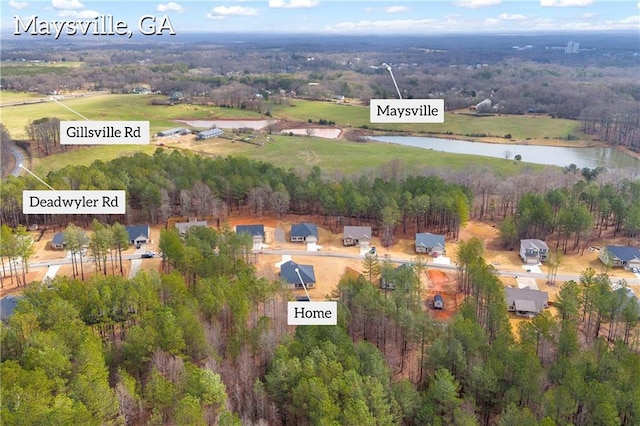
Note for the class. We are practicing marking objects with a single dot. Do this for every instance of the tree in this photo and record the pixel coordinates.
(24, 249)
(76, 240)
(119, 241)
(371, 266)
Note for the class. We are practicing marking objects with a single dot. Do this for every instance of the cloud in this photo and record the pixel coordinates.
(293, 4)
(18, 5)
(396, 9)
(512, 17)
(74, 14)
(220, 12)
(169, 7)
(565, 3)
(67, 4)
(478, 3)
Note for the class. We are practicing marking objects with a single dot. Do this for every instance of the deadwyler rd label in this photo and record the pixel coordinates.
(104, 132)
(74, 202)
(312, 313)
(406, 111)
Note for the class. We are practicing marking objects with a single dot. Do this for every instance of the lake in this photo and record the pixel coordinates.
(552, 155)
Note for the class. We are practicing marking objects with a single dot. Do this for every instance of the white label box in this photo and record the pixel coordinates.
(406, 110)
(312, 313)
(74, 202)
(104, 132)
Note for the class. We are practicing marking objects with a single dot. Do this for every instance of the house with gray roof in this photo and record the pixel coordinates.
(257, 234)
(533, 251)
(430, 243)
(292, 273)
(620, 256)
(183, 227)
(304, 232)
(526, 302)
(356, 236)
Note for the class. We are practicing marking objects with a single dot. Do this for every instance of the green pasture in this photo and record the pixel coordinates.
(86, 156)
(301, 152)
(115, 108)
(11, 97)
(35, 68)
(521, 128)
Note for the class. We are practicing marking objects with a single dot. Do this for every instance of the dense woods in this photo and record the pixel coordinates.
(212, 346)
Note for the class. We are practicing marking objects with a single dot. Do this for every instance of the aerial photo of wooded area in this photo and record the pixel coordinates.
(486, 269)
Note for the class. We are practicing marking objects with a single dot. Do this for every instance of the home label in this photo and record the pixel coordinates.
(312, 313)
(406, 110)
(104, 132)
(74, 202)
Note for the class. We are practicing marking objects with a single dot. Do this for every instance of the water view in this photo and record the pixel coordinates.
(552, 155)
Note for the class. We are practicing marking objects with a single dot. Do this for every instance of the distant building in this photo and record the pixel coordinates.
(572, 47)
(208, 134)
(173, 132)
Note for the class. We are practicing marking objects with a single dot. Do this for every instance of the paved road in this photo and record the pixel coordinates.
(138, 261)
(19, 156)
(502, 272)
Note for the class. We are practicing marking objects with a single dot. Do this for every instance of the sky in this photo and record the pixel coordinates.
(339, 17)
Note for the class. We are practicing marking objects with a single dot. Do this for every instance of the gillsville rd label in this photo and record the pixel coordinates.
(74, 202)
(406, 110)
(104, 132)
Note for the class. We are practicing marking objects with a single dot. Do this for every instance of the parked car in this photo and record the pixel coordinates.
(373, 250)
(148, 255)
(635, 270)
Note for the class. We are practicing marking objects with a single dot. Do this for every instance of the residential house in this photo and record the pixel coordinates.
(183, 227)
(295, 274)
(620, 256)
(57, 243)
(356, 236)
(257, 234)
(430, 244)
(138, 234)
(526, 302)
(533, 251)
(7, 306)
(304, 232)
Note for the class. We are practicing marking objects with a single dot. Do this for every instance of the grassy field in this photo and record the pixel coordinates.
(285, 151)
(115, 108)
(520, 127)
(10, 97)
(35, 68)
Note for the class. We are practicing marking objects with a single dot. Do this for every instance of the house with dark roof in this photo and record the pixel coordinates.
(293, 273)
(526, 302)
(430, 243)
(533, 251)
(173, 132)
(257, 234)
(138, 234)
(304, 232)
(7, 306)
(356, 236)
(620, 256)
(57, 242)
